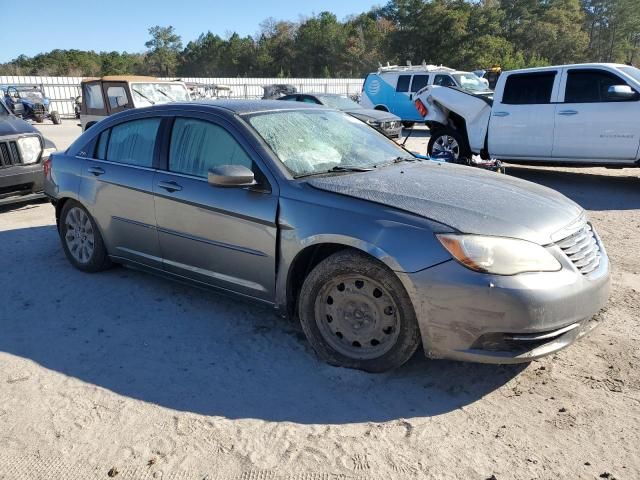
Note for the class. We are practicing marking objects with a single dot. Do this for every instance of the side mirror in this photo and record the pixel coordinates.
(231, 176)
(121, 101)
(621, 92)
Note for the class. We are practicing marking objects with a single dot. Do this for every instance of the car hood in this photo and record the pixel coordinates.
(11, 125)
(469, 200)
(372, 115)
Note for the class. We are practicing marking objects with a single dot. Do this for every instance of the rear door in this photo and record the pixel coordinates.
(522, 116)
(406, 88)
(117, 188)
(225, 237)
(607, 128)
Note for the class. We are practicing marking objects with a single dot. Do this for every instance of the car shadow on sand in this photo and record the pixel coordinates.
(192, 350)
(587, 187)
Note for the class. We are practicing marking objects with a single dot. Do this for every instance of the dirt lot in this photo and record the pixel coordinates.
(124, 375)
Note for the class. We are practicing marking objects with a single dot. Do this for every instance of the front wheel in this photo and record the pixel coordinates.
(81, 239)
(448, 140)
(55, 118)
(356, 314)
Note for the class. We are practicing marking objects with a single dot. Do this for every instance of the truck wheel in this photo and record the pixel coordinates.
(356, 314)
(55, 118)
(448, 140)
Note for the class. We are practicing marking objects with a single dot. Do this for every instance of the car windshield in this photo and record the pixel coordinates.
(338, 102)
(470, 81)
(633, 72)
(33, 94)
(145, 94)
(313, 141)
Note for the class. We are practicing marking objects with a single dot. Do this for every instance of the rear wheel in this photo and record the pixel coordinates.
(448, 140)
(81, 240)
(356, 314)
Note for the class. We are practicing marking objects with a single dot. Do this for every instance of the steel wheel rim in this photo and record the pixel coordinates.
(446, 143)
(79, 235)
(357, 317)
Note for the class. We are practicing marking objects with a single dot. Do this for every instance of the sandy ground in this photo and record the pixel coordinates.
(128, 376)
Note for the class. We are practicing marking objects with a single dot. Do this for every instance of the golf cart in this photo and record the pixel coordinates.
(30, 103)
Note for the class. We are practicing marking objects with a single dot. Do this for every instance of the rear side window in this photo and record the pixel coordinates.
(197, 146)
(403, 83)
(419, 81)
(590, 86)
(93, 96)
(133, 142)
(528, 88)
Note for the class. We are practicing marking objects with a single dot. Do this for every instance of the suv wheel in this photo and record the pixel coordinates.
(356, 314)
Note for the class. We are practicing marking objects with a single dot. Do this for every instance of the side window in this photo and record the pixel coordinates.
(117, 97)
(309, 100)
(197, 146)
(419, 81)
(444, 81)
(590, 86)
(92, 95)
(291, 98)
(133, 142)
(528, 88)
(403, 83)
(101, 146)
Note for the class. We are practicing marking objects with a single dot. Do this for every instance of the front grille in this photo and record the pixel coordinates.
(582, 249)
(9, 154)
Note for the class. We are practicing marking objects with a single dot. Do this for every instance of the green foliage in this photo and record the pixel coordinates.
(465, 34)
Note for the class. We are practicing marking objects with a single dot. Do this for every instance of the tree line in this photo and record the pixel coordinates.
(465, 34)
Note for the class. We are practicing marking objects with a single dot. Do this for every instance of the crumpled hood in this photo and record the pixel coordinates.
(11, 125)
(467, 199)
(373, 115)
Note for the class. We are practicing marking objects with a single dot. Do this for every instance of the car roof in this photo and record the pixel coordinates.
(128, 78)
(243, 107)
(573, 65)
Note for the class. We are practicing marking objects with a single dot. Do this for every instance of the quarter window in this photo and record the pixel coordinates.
(197, 146)
(133, 142)
(590, 86)
(403, 83)
(93, 96)
(528, 88)
(419, 81)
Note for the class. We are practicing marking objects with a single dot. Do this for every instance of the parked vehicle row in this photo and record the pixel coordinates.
(309, 210)
(571, 114)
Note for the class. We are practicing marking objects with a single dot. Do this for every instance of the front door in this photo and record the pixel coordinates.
(522, 120)
(607, 127)
(225, 237)
(117, 188)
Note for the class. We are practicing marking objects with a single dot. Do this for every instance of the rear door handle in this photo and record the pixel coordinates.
(170, 186)
(568, 112)
(97, 171)
(501, 114)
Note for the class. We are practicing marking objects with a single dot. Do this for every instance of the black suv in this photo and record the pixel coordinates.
(23, 150)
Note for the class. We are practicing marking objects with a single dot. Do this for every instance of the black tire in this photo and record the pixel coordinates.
(352, 263)
(464, 152)
(38, 118)
(55, 118)
(408, 124)
(98, 260)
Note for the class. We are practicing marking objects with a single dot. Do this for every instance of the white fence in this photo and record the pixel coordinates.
(61, 90)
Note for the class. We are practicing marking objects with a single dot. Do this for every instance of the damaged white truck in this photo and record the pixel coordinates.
(586, 114)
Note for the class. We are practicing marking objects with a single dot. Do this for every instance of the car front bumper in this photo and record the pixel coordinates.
(470, 316)
(19, 182)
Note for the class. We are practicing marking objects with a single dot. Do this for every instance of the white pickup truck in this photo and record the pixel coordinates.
(587, 114)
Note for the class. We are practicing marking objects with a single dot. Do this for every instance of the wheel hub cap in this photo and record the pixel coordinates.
(79, 235)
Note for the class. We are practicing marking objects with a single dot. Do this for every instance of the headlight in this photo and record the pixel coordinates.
(30, 149)
(499, 255)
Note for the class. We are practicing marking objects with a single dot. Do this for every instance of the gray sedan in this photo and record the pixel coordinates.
(311, 211)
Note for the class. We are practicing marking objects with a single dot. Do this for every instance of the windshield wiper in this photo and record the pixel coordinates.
(350, 168)
(144, 96)
(166, 95)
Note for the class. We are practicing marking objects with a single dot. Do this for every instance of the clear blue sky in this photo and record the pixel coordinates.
(122, 24)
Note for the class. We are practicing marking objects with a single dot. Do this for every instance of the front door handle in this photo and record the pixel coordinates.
(170, 186)
(501, 114)
(97, 171)
(568, 112)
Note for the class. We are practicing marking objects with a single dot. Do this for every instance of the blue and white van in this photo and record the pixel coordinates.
(393, 88)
